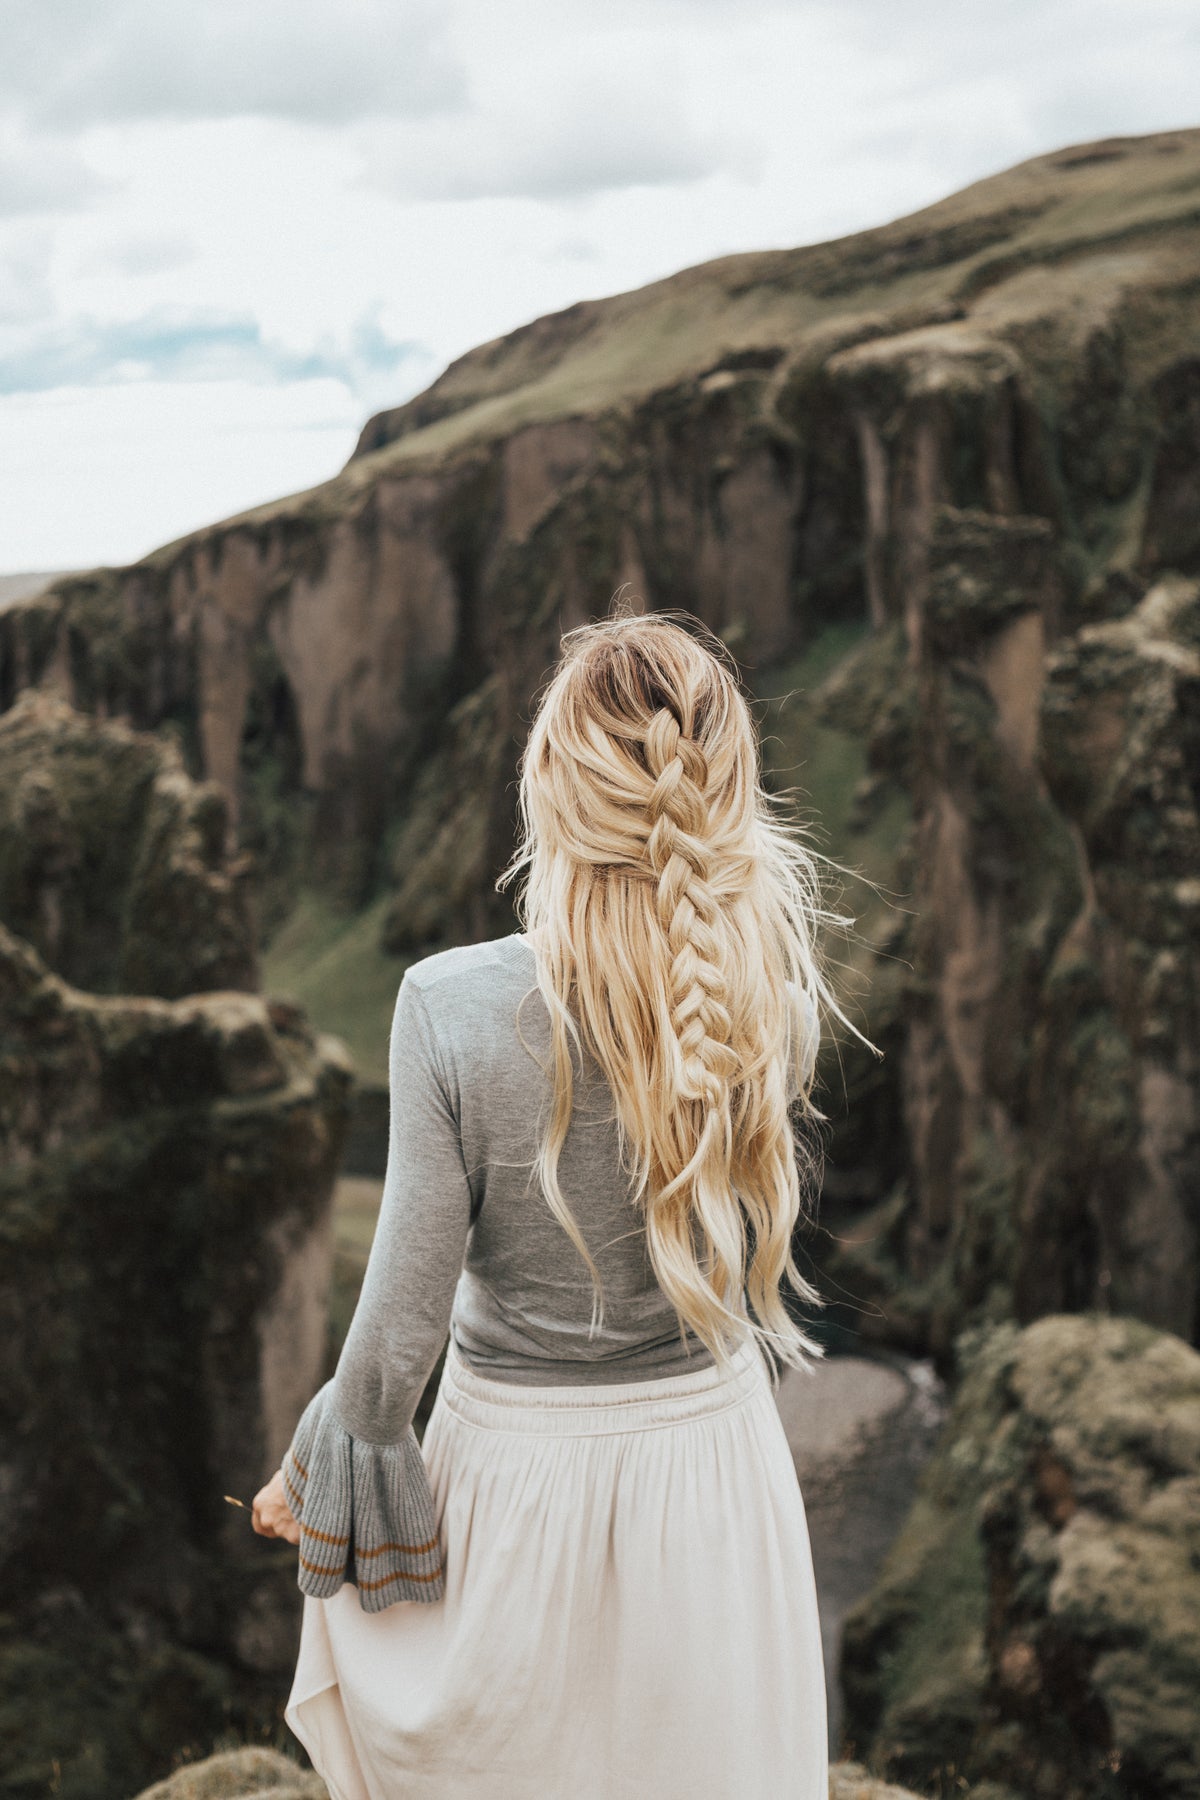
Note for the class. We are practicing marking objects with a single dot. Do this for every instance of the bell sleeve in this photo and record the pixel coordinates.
(354, 1475)
(365, 1510)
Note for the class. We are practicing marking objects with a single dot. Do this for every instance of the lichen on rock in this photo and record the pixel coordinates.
(245, 1774)
(114, 864)
(1037, 1622)
(240, 1775)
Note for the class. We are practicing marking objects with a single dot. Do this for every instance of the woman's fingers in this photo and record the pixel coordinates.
(270, 1515)
(258, 1514)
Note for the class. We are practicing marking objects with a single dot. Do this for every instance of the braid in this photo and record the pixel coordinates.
(681, 861)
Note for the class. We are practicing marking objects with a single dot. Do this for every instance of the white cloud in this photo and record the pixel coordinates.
(1140, 81)
(566, 119)
(545, 164)
(25, 277)
(41, 174)
(74, 63)
(139, 254)
(573, 249)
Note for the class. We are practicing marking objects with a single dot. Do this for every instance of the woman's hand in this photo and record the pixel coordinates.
(271, 1515)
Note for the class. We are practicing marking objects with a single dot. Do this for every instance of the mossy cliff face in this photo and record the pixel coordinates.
(1022, 490)
(1113, 1154)
(114, 864)
(166, 1179)
(1037, 1623)
(166, 1171)
(1046, 1029)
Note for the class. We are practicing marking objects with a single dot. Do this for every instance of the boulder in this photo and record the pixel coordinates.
(850, 1781)
(240, 1775)
(1037, 1623)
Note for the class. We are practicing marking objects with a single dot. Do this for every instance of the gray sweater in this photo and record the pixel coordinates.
(466, 1244)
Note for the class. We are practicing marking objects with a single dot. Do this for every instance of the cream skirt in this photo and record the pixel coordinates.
(629, 1610)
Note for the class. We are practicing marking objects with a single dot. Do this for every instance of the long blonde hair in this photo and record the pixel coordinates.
(673, 919)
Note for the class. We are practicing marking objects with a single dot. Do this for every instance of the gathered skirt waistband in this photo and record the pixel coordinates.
(594, 1410)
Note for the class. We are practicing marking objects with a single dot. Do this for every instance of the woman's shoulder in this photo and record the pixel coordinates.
(461, 961)
(459, 980)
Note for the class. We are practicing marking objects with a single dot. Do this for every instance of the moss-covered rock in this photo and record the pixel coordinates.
(240, 1775)
(1037, 1623)
(850, 1781)
(114, 864)
(166, 1175)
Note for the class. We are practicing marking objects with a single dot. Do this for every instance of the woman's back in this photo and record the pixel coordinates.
(523, 1305)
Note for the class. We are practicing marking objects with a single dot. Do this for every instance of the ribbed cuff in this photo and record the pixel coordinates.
(366, 1512)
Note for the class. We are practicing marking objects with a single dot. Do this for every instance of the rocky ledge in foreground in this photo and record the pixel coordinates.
(1037, 1623)
(242, 1774)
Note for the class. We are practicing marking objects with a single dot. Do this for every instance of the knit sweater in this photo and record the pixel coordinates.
(467, 1244)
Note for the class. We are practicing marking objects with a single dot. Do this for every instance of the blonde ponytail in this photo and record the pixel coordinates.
(673, 920)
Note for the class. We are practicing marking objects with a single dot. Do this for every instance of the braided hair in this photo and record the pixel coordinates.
(673, 919)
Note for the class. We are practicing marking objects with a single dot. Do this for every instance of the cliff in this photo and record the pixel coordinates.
(759, 439)
(167, 1160)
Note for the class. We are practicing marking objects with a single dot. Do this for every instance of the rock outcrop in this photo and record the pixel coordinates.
(1037, 1622)
(166, 1182)
(114, 864)
(850, 1781)
(239, 1775)
(166, 1174)
(1047, 1028)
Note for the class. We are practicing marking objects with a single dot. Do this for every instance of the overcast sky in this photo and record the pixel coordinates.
(230, 231)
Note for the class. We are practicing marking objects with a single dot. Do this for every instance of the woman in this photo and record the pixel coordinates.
(596, 1579)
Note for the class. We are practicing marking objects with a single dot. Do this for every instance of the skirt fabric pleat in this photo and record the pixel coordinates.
(629, 1610)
